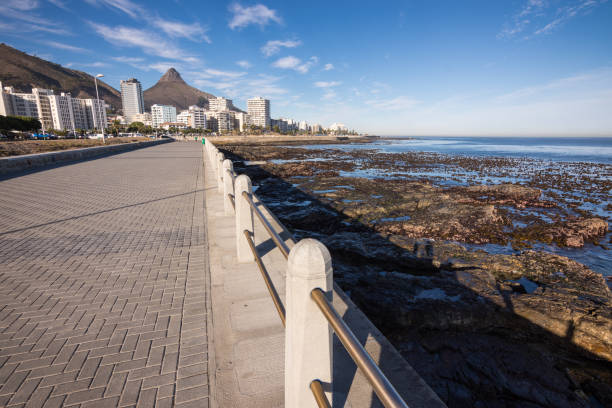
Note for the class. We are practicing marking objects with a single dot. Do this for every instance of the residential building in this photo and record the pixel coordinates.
(241, 121)
(316, 128)
(225, 121)
(303, 126)
(161, 114)
(194, 117)
(338, 128)
(144, 118)
(177, 125)
(220, 104)
(259, 111)
(61, 112)
(131, 98)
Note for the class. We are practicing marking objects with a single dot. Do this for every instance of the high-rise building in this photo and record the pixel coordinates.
(220, 104)
(131, 98)
(162, 114)
(259, 111)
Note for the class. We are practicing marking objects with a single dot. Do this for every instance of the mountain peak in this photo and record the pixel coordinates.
(171, 75)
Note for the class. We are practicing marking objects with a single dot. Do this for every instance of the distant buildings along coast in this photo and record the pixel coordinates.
(218, 114)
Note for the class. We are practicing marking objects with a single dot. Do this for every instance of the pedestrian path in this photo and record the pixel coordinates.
(103, 283)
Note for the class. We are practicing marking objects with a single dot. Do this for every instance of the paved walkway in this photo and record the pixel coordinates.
(103, 283)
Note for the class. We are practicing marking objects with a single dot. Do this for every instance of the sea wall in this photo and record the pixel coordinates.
(9, 165)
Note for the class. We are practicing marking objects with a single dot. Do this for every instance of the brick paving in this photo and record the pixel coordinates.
(103, 283)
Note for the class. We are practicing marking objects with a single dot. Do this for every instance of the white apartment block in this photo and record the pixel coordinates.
(194, 117)
(225, 121)
(242, 121)
(162, 114)
(132, 100)
(259, 111)
(303, 126)
(220, 104)
(144, 118)
(61, 112)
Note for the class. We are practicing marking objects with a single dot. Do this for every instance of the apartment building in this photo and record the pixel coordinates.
(194, 117)
(61, 112)
(132, 100)
(220, 104)
(259, 111)
(162, 114)
(144, 118)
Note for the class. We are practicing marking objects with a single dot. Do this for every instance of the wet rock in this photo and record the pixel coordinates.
(507, 191)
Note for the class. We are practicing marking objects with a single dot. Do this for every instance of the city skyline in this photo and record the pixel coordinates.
(531, 67)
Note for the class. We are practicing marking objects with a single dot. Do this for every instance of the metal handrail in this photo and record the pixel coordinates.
(266, 277)
(273, 234)
(383, 388)
(317, 390)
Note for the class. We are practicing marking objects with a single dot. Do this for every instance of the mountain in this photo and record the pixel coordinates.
(172, 90)
(24, 72)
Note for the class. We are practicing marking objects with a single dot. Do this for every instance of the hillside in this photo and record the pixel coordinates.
(171, 89)
(25, 72)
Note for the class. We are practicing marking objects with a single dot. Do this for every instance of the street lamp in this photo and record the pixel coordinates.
(98, 98)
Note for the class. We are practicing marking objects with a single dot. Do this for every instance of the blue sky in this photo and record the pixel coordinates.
(516, 67)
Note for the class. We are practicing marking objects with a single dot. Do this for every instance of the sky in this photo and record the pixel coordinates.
(428, 67)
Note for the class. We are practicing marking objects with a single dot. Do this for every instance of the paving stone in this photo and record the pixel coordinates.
(103, 285)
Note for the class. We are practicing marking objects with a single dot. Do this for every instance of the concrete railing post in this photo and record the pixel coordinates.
(244, 218)
(220, 158)
(308, 336)
(228, 186)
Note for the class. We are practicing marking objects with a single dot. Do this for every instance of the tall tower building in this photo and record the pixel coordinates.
(259, 111)
(131, 98)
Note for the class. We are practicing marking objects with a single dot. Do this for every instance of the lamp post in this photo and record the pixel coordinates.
(98, 98)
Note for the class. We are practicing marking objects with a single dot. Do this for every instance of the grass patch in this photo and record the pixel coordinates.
(21, 147)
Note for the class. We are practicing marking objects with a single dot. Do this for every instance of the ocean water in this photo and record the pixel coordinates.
(582, 149)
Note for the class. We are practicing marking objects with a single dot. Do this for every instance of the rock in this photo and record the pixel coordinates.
(507, 191)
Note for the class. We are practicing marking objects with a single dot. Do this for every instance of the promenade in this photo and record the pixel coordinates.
(103, 283)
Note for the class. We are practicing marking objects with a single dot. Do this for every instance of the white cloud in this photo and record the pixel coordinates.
(328, 67)
(63, 46)
(174, 29)
(129, 60)
(273, 47)
(244, 64)
(536, 12)
(226, 74)
(323, 84)
(148, 41)
(128, 7)
(257, 14)
(399, 103)
(162, 67)
(194, 31)
(24, 5)
(295, 63)
(24, 19)
(329, 95)
(59, 3)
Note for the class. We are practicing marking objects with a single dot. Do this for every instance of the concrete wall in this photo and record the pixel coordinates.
(16, 164)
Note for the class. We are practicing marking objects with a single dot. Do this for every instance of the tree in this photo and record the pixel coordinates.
(19, 123)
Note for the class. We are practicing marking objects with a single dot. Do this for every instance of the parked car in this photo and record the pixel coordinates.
(96, 136)
(40, 136)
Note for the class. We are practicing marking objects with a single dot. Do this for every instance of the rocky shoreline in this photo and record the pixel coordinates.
(525, 328)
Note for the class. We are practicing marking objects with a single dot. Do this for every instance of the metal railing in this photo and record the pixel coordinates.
(383, 388)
